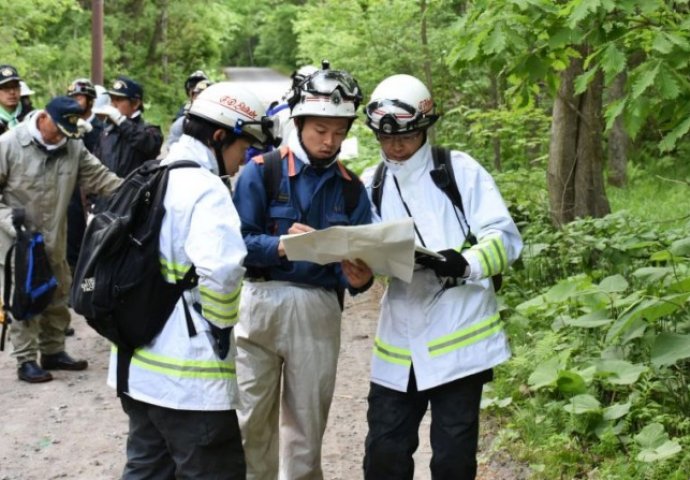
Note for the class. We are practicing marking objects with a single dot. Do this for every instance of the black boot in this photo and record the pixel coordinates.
(62, 361)
(32, 373)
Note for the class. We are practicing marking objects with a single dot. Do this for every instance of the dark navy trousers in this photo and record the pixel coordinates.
(394, 418)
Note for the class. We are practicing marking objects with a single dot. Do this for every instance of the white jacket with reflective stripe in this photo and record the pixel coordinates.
(201, 228)
(445, 334)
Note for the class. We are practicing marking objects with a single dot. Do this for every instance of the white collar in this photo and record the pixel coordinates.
(296, 146)
(415, 164)
(298, 150)
(189, 148)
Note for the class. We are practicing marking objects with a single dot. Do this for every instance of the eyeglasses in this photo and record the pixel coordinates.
(403, 138)
(10, 87)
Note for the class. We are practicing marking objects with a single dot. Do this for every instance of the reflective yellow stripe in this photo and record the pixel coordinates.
(498, 254)
(224, 319)
(220, 307)
(492, 255)
(465, 337)
(392, 354)
(173, 272)
(220, 299)
(174, 367)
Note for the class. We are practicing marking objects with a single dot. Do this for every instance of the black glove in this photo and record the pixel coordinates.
(454, 265)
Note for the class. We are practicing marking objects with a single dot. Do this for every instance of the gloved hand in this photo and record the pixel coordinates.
(83, 126)
(454, 265)
(111, 112)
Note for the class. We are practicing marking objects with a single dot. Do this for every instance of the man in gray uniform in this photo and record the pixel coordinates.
(40, 164)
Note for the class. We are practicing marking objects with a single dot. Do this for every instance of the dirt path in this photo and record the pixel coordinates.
(74, 428)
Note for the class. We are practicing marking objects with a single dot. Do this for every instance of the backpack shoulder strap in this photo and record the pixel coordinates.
(444, 176)
(377, 186)
(182, 164)
(273, 172)
(351, 190)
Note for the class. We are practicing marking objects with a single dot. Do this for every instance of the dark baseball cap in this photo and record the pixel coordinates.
(8, 74)
(126, 87)
(65, 112)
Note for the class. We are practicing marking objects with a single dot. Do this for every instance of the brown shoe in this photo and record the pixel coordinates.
(62, 361)
(32, 373)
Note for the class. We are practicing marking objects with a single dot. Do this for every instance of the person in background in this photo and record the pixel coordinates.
(41, 162)
(280, 110)
(288, 336)
(176, 127)
(189, 84)
(439, 336)
(127, 140)
(84, 92)
(25, 94)
(182, 388)
(11, 111)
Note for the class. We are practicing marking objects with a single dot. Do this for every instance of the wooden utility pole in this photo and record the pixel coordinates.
(97, 41)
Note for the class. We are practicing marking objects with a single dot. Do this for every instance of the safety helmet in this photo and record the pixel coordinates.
(326, 93)
(193, 79)
(81, 86)
(301, 73)
(24, 90)
(200, 86)
(400, 104)
(236, 109)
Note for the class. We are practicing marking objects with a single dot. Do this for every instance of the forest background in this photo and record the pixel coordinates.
(581, 111)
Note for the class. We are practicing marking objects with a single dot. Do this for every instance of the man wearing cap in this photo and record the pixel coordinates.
(11, 111)
(84, 92)
(126, 141)
(40, 165)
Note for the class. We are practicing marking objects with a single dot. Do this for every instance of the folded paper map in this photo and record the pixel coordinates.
(388, 248)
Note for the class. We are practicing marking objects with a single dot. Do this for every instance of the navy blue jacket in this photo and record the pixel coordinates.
(310, 196)
(125, 147)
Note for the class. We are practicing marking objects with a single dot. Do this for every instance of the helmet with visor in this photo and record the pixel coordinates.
(400, 104)
(326, 93)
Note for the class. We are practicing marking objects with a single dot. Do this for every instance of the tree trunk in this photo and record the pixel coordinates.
(619, 141)
(496, 139)
(575, 171)
(428, 78)
(164, 41)
(158, 33)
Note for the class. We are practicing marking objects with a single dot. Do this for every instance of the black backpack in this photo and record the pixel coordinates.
(118, 285)
(34, 282)
(444, 178)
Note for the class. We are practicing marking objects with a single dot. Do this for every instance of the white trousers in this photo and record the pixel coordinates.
(286, 332)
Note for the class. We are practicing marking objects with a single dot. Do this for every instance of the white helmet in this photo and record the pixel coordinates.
(24, 90)
(400, 104)
(326, 93)
(301, 73)
(236, 109)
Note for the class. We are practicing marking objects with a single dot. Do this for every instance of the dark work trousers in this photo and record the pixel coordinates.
(76, 225)
(394, 418)
(166, 444)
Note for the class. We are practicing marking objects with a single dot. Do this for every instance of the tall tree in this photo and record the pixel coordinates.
(572, 49)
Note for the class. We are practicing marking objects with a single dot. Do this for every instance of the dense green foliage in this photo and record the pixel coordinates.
(598, 312)
(599, 320)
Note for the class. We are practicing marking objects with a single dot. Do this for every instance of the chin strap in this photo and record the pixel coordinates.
(218, 152)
